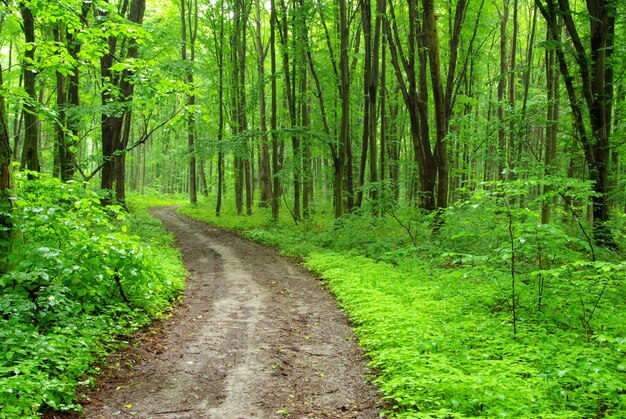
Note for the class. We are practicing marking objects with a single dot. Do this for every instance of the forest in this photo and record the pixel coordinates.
(451, 169)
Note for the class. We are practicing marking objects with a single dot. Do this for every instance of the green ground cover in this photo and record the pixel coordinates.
(435, 313)
(78, 278)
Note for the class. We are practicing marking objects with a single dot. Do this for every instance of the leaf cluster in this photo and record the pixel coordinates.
(74, 279)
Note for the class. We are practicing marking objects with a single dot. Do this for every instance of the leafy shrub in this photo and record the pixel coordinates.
(75, 279)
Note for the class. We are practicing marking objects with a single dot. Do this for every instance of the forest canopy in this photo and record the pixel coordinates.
(314, 103)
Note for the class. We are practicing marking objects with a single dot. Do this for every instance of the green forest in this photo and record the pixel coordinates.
(451, 169)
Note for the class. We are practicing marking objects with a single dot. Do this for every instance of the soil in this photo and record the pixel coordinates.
(255, 336)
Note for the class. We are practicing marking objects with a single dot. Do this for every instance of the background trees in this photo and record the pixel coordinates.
(411, 103)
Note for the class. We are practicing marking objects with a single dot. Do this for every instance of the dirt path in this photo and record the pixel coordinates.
(255, 337)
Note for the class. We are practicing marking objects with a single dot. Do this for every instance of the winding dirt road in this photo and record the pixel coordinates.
(255, 337)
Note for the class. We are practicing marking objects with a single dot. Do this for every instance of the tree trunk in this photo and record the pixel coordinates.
(189, 23)
(441, 111)
(595, 76)
(552, 88)
(264, 157)
(290, 88)
(502, 148)
(219, 50)
(513, 125)
(30, 151)
(344, 98)
(276, 190)
(5, 181)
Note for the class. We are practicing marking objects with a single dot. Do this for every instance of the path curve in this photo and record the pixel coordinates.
(255, 337)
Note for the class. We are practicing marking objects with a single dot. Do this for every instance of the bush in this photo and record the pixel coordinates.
(75, 278)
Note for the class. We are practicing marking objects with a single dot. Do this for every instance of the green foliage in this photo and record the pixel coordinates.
(435, 316)
(75, 279)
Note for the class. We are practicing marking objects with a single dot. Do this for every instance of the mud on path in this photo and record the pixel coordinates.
(255, 337)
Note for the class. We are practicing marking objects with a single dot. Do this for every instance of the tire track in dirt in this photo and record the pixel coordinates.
(255, 337)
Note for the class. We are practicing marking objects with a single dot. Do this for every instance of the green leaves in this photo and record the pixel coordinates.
(435, 318)
(61, 300)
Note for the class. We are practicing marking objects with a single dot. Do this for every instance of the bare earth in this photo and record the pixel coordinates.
(255, 337)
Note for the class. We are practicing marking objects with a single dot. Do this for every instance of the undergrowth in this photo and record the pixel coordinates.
(78, 277)
(435, 312)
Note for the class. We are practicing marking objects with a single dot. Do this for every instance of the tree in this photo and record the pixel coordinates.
(5, 178)
(117, 95)
(593, 80)
(30, 153)
(189, 27)
(264, 157)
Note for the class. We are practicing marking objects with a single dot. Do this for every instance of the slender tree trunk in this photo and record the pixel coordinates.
(204, 188)
(552, 88)
(290, 88)
(219, 44)
(71, 118)
(276, 190)
(344, 97)
(383, 115)
(595, 73)
(441, 111)
(502, 148)
(60, 148)
(264, 157)
(127, 88)
(305, 107)
(5, 181)
(189, 27)
(30, 151)
(373, 98)
(513, 124)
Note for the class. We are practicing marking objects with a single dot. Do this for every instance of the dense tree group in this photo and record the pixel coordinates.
(413, 103)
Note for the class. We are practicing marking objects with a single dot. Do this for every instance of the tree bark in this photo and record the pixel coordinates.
(276, 190)
(5, 181)
(219, 51)
(502, 148)
(189, 27)
(595, 76)
(264, 157)
(552, 88)
(344, 98)
(441, 110)
(30, 151)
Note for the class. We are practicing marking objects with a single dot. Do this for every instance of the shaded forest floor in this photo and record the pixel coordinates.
(255, 336)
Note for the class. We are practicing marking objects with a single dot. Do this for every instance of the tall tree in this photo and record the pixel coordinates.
(239, 121)
(593, 80)
(68, 94)
(116, 97)
(189, 27)
(276, 192)
(552, 89)
(5, 179)
(290, 91)
(264, 157)
(30, 151)
(371, 65)
(502, 79)
(344, 97)
(217, 23)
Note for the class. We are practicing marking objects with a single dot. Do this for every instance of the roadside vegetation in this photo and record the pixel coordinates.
(495, 315)
(77, 279)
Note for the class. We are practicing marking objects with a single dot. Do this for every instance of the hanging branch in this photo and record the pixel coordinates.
(144, 137)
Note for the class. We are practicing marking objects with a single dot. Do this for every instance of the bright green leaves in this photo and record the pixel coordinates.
(440, 351)
(61, 299)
